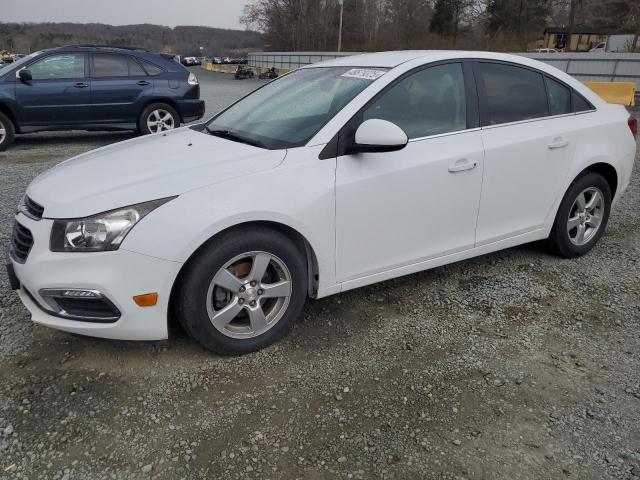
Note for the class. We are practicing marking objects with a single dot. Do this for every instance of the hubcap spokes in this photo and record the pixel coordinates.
(249, 295)
(585, 216)
(3, 133)
(160, 121)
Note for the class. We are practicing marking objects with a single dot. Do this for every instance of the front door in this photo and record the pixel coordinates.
(58, 94)
(398, 208)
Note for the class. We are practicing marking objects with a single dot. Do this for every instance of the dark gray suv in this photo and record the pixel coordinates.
(96, 88)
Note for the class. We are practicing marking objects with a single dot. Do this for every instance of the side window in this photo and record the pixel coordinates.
(57, 67)
(429, 102)
(109, 65)
(135, 70)
(580, 104)
(512, 93)
(151, 68)
(559, 97)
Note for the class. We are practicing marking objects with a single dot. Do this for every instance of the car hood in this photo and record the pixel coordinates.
(143, 169)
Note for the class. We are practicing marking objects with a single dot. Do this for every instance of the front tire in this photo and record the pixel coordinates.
(7, 132)
(582, 217)
(158, 117)
(243, 291)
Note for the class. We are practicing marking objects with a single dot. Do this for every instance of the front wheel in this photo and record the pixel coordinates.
(243, 291)
(582, 217)
(158, 117)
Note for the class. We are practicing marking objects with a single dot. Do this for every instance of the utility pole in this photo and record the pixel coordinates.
(341, 2)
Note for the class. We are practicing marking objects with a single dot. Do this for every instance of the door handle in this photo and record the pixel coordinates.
(143, 83)
(558, 143)
(462, 165)
(81, 85)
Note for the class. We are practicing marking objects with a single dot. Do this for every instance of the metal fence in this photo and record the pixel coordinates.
(608, 67)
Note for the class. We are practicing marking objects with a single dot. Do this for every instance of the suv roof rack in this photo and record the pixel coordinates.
(118, 47)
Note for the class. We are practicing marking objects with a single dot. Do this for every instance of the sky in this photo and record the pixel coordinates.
(211, 13)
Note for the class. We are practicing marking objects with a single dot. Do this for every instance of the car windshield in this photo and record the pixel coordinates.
(17, 63)
(286, 113)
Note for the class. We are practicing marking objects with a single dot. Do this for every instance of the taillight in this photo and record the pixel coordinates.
(192, 80)
(633, 125)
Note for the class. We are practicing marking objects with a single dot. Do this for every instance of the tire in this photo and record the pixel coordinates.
(565, 239)
(165, 118)
(7, 132)
(227, 321)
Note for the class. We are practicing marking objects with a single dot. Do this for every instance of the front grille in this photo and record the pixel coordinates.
(21, 243)
(31, 209)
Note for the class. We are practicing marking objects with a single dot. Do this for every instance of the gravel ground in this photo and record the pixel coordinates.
(512, 365)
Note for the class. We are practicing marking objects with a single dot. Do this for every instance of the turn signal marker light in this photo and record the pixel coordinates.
(146, 300)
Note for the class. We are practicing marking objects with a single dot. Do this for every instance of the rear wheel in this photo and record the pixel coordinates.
(158, 117)
(6, 132)
(243, 291)
(582, 217)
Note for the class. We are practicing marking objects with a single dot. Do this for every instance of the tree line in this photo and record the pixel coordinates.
(185, 40)
(369, 25)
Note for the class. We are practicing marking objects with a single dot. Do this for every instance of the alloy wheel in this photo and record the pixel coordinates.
(3, 132)
(160, 120)
(249, 295)
(585, 216)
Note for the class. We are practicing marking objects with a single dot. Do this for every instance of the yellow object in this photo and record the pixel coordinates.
(146, 300)
(623, 93)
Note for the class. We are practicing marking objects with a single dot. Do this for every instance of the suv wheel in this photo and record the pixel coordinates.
(582, 216)
(243, 291)
(6, 132)
(158, 117)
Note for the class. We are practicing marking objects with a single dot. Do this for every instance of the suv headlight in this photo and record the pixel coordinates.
(102, 232)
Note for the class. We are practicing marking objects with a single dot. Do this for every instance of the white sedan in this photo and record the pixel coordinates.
(338, 175)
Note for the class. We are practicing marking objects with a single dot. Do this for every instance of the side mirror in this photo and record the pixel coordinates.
(378, 135)
(25, 75)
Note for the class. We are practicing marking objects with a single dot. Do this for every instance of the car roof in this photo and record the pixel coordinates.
(394, 59)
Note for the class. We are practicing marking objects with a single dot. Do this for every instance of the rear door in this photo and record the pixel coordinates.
(119, 86)
(58, 94)
(529, 138)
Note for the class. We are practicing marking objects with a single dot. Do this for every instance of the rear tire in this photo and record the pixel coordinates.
(582, 217)
(7, 132)
(157, 118)
(227, 298)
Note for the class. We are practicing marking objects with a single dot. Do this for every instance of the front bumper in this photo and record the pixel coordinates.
(191, 110)
(119, 276)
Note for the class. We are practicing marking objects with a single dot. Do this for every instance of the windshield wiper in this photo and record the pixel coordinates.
(228, 134)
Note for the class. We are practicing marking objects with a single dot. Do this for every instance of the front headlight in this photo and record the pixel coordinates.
(101, 232)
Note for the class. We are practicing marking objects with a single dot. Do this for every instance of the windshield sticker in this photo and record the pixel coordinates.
(364, 73)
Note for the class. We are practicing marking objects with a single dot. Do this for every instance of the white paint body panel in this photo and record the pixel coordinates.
(366, 217)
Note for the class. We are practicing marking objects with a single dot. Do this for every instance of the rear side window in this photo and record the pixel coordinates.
(559, 97)
(107, 65)
(151, 68)
(512, 93)
(429, 102)
(580, 104)
(135, 69)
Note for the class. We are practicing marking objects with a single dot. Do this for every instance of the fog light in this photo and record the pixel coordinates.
(146, 300)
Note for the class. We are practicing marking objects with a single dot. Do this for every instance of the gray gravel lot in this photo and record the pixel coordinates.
(512, 365)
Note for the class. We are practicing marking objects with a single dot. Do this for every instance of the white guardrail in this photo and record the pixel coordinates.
(604, 67)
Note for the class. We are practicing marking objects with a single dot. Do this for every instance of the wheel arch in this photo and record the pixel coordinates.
(6, 110)
(172, 103)
(294, 235)
(609, 173)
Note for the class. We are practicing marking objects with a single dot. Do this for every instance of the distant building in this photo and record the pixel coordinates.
(582, 39)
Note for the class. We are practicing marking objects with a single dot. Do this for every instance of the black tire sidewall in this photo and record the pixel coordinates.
(194, 283)
(142, 121)
(9, 132)
(559, 235)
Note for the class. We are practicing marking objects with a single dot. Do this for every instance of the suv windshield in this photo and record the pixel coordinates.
(11, 66)
(289, 111)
